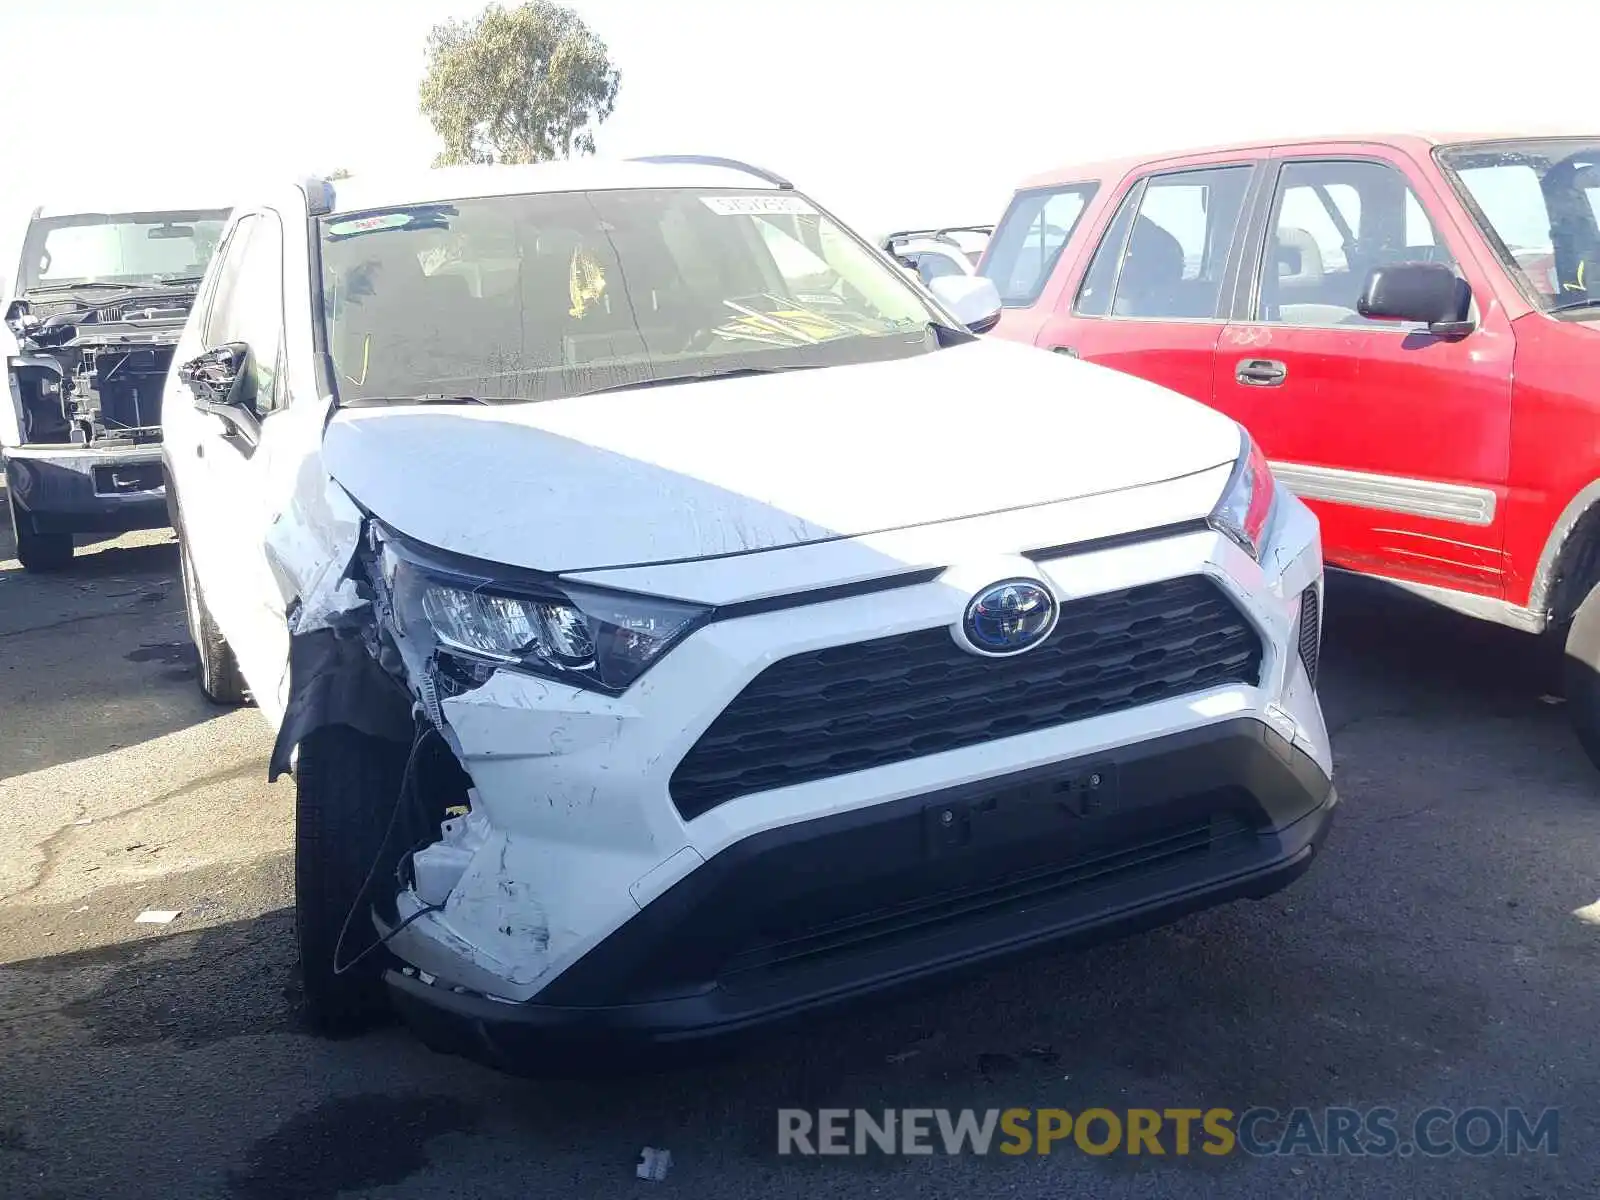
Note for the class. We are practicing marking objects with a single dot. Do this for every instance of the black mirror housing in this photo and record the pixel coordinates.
(1429, 293)
(217, 379)
(217, 376)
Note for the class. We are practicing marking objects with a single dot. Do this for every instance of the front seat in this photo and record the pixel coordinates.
(1152, 274)
(1295, 295)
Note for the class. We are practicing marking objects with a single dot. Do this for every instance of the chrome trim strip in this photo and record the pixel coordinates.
(1389, 493)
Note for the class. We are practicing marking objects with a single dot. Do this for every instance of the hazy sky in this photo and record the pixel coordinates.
(890, 113)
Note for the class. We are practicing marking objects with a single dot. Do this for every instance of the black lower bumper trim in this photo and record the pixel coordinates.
(813, 916)
(55, 498)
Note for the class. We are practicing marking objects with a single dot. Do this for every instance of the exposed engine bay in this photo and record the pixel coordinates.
(91, 373)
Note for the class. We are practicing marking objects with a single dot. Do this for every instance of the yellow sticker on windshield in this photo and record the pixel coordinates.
(588, 281)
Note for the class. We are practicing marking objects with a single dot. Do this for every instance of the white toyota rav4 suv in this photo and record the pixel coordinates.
(677, 620)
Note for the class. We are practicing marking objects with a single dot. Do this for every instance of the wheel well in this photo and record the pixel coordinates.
(1577, 567)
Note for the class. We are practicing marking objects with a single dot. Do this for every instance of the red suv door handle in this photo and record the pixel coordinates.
(1260, 372)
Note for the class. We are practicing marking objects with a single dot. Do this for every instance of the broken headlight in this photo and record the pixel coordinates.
(1247, 502)
(581, 635)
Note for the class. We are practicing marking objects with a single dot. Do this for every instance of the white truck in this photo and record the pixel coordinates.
(98, 300)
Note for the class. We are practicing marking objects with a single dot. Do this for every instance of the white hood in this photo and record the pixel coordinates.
(679, 472)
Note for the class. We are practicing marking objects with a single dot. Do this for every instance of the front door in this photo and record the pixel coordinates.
(1155, 295)
(228, 501)
(1397, 439)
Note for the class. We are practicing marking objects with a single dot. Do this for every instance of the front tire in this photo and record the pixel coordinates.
(1582, 674)
(38, 551)
(347, 785)
(220, 677)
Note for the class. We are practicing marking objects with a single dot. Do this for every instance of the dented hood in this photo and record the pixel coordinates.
(730, 466)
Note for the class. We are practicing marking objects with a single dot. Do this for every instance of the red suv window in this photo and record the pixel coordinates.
(1030, 237)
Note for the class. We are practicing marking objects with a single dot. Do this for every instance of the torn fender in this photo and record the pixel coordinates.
(334, 677)
(310, 547)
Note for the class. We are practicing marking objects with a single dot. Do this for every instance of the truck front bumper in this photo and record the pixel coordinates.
(87, 489)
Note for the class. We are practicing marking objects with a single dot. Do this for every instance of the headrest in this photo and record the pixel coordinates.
(1153, 254)
(1299, 258)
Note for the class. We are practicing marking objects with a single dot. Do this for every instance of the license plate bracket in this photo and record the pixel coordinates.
(1040, 807)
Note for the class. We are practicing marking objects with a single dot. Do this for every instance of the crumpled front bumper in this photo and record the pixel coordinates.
(814, 916)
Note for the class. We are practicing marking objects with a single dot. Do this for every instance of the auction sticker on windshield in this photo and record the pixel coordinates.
(431, 216)
(757, 206)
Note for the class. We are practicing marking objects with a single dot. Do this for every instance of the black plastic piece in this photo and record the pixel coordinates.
(1311, 630)
(1113, 541)
(334, 680)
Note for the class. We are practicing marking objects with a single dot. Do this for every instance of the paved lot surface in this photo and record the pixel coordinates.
(1433, 957)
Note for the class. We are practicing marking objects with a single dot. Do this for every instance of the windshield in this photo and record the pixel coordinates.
(1540, 206)
(119, 248)
(542, 296)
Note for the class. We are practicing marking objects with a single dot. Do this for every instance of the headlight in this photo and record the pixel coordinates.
(1246, 504)
(584, 636)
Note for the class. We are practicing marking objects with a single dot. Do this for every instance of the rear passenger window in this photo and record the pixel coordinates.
(1333, 221)
(1030, 237)
(1165, 256)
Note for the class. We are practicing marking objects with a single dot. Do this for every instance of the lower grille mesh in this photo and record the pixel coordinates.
(1310, 631)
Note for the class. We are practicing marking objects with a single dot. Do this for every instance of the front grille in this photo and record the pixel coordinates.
(1310, 631)
(849, 708)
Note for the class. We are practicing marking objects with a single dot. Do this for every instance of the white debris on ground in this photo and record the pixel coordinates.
(653, 1164)
(157, 916)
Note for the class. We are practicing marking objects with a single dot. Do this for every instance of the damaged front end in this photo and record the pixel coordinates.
(471, 683)
(90, 373)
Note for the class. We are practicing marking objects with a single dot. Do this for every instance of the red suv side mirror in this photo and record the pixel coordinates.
(1429, 293)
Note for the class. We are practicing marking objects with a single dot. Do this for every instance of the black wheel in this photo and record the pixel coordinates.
(220, 678)
(38, 551)
(1582, 674)
(347, 785)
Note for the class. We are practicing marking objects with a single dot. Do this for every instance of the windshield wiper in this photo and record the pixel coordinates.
(700, 376)
(423, 398)
(1574, 305)
(89, 285)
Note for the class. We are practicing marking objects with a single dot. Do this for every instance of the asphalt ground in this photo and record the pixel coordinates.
(1439, 955)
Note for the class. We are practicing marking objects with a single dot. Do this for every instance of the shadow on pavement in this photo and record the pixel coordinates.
(94, 657)
(1375, 631)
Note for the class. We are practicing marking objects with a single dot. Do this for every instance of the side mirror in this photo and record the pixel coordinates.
(217, 380)
(973, 299)
(215, 376)
(1429, 293)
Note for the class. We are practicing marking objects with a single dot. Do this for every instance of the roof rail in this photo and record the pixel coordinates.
(935, 235)
(319, 195)
(708, 160)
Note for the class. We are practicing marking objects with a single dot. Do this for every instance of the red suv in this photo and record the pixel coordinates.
(1409, 326)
